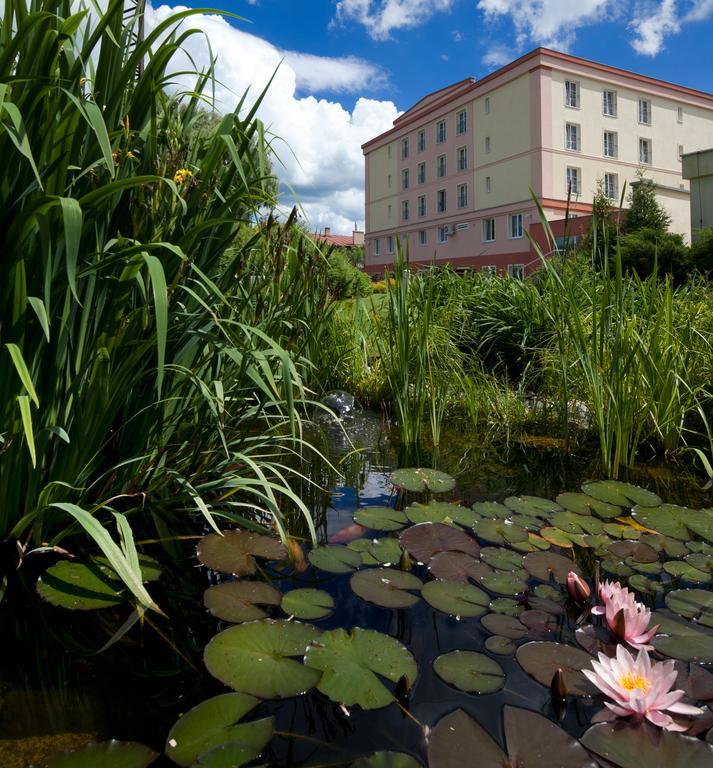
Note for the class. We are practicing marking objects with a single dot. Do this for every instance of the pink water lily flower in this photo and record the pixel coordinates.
(628, 619)
(639, 688)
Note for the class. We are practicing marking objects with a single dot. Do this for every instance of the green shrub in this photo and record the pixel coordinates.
(701, 253)
(644, 248)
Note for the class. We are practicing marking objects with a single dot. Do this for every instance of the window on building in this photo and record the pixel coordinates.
(644, 111)
(390, 244)
(405, 210)
(487, 105)
(441, 166)
(440, 131)
(388, 210)
(462, 158)
(571, 93)
(488, 185)
(422, 205)
(388, 151)
(572, 139)
(421, 141)
(422, 237)
(488, 230)
(389, 180)
(441, 200)
(574, 181)
(404, 148)
(609, 103)
(611, 186)
(645, 151)
(516, 270)
(489, 269)
(487, 143)
(404, 178)
(461, 122)
(680, 152)
(462, 194)
(679, 114)
(377, 247)
(611, 144)
(443, 234)
(421, 173)
(515, 225)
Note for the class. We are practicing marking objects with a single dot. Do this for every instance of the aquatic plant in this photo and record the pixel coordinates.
(628, 619)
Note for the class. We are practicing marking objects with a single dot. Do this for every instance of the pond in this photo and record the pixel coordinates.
(465, 583)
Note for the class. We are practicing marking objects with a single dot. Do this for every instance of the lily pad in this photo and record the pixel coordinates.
(583, 504)
(700, 522)
(561, 538)
(457, 566)
(231, 755)
(381, 518)
(492, 509)
(420, 480)
(456, 738)
(542, 659)
(335, 558)
(387, 760)
(501, 558)
(425, 540)
(543, 564)
(499, 531)
(621, 494)
(692, 604)
(504, 583)
(469, 671)
(641, 553)
(441, 512)
(238, 601)
(216, 722)
(309, 604)
(571, 522)
(502, 646)
(258, 658)
(107, 754)
(383, 551)
(700, 560)
(81, 586)
(532, 505)
(507, 626)
(667, 519)
(386, 587)
(687, 572)
(682, 639)
(456, 599)
(621, 531)
(235, 551)
(659, 542)
(506, 606)
(644, 585)
(352, 665)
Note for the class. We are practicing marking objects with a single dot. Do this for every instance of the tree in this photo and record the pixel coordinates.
(645, 211)
(602, 236)
(641, 249)
(701, 254)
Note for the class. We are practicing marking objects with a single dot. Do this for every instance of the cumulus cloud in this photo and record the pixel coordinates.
(320, 140)
(652, 27)
(700, 10)
(497, 56)
(381, 17)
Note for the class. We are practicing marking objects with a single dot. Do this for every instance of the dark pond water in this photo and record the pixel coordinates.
(55, 690)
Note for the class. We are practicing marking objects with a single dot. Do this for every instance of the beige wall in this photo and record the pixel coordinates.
(382, 169)
(698, 168)
(509, 182)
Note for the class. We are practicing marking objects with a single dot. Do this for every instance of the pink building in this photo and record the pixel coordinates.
(453, 177)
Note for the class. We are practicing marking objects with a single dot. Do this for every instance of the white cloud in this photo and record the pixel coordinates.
(497, 56)
(381, 17)
(652, 25)
(700, 10)
(319, 140)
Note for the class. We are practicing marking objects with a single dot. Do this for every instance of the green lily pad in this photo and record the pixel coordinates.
(507, 626)
(107, 754)
(381, 518)
(637, 746)
(463, 600)
(583, 504)
(620, 531)
(506, 606)
(652, 569)
(335, 558)
(238, 601)
(561, 538)
(598, 542)
(616, 568)
(700, 560)
(456, 738)
(659, 542)
(469, 671)
(501, 558)
(441, 512)
(81, 586)
(258, 658)
(352, 664)
(692, 604)
(687, 572)
(667, 519)
(641, 553)
(504, 583)
(386, 587)
(232, 755)
(543, 564)
(235, 551)
(492, 509)
(700, 522)
(499, 645)
(547, 592)
(499, 531)
(644, 585)
(682, 639)
(383, 551)
(621, 494)
(542, 659)
(425, 540)
(387, 760)
(420, 480)
(529, 523)
(532, 505)
(571, 522)
(457, 566)
(308, 604)
(216, 722)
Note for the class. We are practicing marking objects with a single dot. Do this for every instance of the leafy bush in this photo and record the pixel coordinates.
(643, 248)
(701, 253)
(345, 280)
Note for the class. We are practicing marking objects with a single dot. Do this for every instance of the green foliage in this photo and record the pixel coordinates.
(345, 280)
(645, 211)
(701, 252)
(645, 249)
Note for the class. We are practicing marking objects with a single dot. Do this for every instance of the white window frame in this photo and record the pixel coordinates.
(644, 112)
(377, 247)
(389, 244)
(461, 122)
(440, 131)
(441, 195)
(650, 151)
(405, 178)
(679, 114)
(577, 188)
(405, 210)
(489, 233)
(572, 86)
(519, 268)
(462, 200)
(613, 100)
(443, 234)
(421, 173)
(421, 140)
(441, 167)
(488, 185)
(515, 232)
(569, 130)
(613, 148)
(421, 206)
(611, 191)
(422, 237)
(462, 158)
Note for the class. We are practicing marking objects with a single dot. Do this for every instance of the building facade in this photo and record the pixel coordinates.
(698, 170)
(454, 178)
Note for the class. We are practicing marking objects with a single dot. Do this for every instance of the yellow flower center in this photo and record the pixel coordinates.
(631, 682)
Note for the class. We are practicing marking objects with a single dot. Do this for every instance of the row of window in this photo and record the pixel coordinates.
(573, 142)
(573, 183)
(572, 98)
(441, 202)
(461, 127)
(441, 165)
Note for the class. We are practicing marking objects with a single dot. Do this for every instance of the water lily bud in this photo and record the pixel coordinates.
(618, 625)
(558, 687)
(578, 588)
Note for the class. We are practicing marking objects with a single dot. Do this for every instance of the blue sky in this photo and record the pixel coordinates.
(350, 66)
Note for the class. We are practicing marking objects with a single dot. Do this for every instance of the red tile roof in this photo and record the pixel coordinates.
(342, 241)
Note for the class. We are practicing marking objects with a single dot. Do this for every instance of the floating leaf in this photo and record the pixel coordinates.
(531, 524)
(377, 551)
(232, 755)
(504, 583)
(700, 522)
(107, 754)
(457, 566)
(420, 480)
(539, 622)
(308, 604)
(81, 586)
(502, 646)
(457, 738)
(532, 505)
(256, 658)
(571, 522)
(621, 494)
(501, 558)
(659, 542)
(638, 551)
(335, 558)
(543, 564)
(583, 504)
(425, 540)
(469, 671)
(647, 586)
(507, 626)
(692, 604)
(235, 551)
(682, 639)
(387, 760)
(704, 562)
(687, 572)
(561, 538)
(499, 531)
(381, 518)
(238, 601)
(542, 659)
(492, 509)
(506, 605)
(616, 568)
(216, 722)
(667, 519)
(441, 512)
(386, 587)
(620, 531)
(456, 599)
(351, 665)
